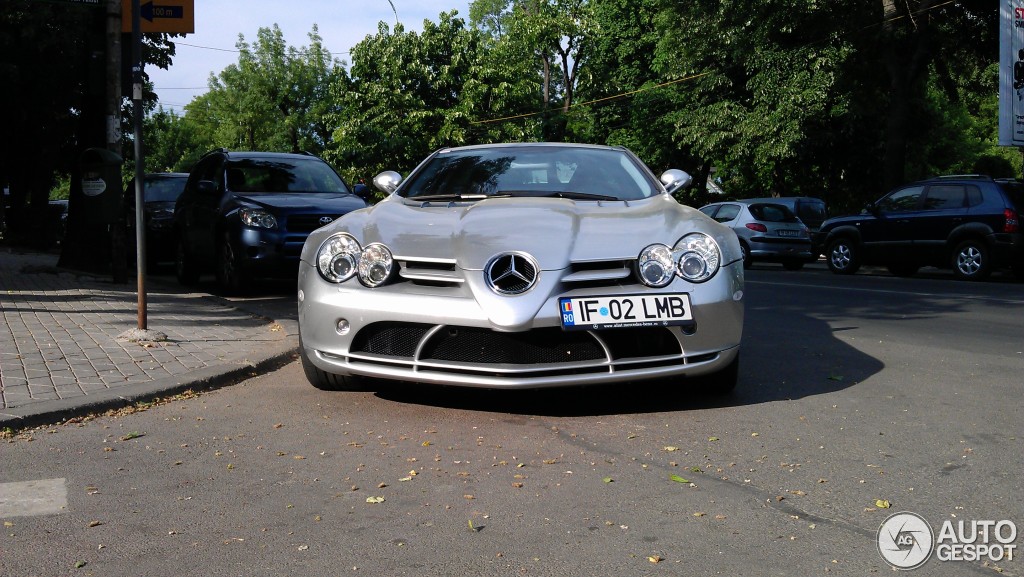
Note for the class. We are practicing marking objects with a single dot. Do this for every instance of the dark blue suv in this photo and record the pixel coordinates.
(968, 223)
(245, 215)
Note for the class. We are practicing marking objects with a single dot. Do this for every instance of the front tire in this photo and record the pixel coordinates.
(971, 260)
(230, 279)
(322, 379)
(720, 383)
(843, 256)
(748, 261)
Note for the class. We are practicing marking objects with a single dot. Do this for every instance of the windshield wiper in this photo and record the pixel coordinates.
(581, 196)
(453, 197)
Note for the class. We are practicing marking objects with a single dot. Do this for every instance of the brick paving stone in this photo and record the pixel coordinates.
(59, 332)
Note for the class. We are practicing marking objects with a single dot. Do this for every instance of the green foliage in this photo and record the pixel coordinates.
(831, 99)
(276, 98)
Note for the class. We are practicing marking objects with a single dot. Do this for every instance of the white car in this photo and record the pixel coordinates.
(523, 266)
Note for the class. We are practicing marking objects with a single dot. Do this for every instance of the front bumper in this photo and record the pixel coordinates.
(442, 336)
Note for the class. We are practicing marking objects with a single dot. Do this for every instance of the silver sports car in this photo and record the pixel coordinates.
(523, 266)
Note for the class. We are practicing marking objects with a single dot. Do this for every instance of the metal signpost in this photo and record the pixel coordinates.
(167, 16)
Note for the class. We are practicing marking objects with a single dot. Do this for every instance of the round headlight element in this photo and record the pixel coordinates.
(655, 266)
(375, 265)
(257, 217)
(697, 257)
(337, 259)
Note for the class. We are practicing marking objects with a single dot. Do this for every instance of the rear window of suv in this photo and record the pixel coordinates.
(1015, 190)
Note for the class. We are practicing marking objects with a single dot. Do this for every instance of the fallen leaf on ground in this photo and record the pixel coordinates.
(678, 479)
(375, 499)
(882, 503)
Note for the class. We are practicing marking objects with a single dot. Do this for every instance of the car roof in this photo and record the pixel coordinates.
(780, 199)
(531, 145)
(166, 175)
(257, 154)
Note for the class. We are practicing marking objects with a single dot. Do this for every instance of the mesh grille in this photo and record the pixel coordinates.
(537, 346)
(390, 339)
(640, 342)
(473, 345)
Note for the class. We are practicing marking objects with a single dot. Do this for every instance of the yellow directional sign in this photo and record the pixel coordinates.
(161, 16)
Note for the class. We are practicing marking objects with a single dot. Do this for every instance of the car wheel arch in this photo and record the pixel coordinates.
(968, 231)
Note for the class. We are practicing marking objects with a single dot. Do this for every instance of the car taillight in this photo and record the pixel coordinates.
(1012, 223)
(756, 226)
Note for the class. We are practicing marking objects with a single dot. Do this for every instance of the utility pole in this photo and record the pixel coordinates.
(118, 248)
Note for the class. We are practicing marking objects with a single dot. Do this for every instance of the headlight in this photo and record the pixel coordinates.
(655, 265)
(697, 257)
(257, 217)
(338, 258)
(375, 265)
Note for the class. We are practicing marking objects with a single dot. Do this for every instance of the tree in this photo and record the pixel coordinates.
(408, 96)
(276, 97)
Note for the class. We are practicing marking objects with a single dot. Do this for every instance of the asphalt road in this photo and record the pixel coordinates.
(852, 391)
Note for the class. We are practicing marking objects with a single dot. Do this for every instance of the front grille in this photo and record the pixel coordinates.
(539, 346)
(306, 222)
(544, 346)
(640, 342)
(390, 339)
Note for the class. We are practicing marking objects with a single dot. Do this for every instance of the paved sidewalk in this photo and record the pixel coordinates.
(61, 355)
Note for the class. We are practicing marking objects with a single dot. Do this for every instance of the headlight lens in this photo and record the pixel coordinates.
(338, 258)
(697, 257)
(375, 265)
(655, 266)
(257, 217)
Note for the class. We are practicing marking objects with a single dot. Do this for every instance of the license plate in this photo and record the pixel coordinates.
(787, 232)
(623, 311)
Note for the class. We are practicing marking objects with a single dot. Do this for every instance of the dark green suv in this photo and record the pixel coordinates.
(968, 223)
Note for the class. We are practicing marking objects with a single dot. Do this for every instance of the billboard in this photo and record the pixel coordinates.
(1011, 72)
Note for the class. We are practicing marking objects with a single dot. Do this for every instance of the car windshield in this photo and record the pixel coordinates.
(164, 189)
(282, 175)
(772, 213)
(539, 171)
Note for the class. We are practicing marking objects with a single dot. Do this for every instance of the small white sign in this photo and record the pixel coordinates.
(93, 186)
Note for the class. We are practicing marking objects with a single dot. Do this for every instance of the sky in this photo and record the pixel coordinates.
(342, 24)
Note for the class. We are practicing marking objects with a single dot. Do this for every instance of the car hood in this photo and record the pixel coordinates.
(556, 232)
(313, 202)
(159, 206)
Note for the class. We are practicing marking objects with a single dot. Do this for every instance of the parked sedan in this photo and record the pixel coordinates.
(768, 232)
(523, 266)
(160, 191)
(245, 215)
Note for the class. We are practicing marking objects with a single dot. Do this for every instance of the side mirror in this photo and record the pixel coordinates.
(675, 179)
(870, 208)
(387, 181)
(206, 187)
(362, 191)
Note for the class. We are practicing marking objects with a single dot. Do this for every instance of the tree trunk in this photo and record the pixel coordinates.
(907, 58)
